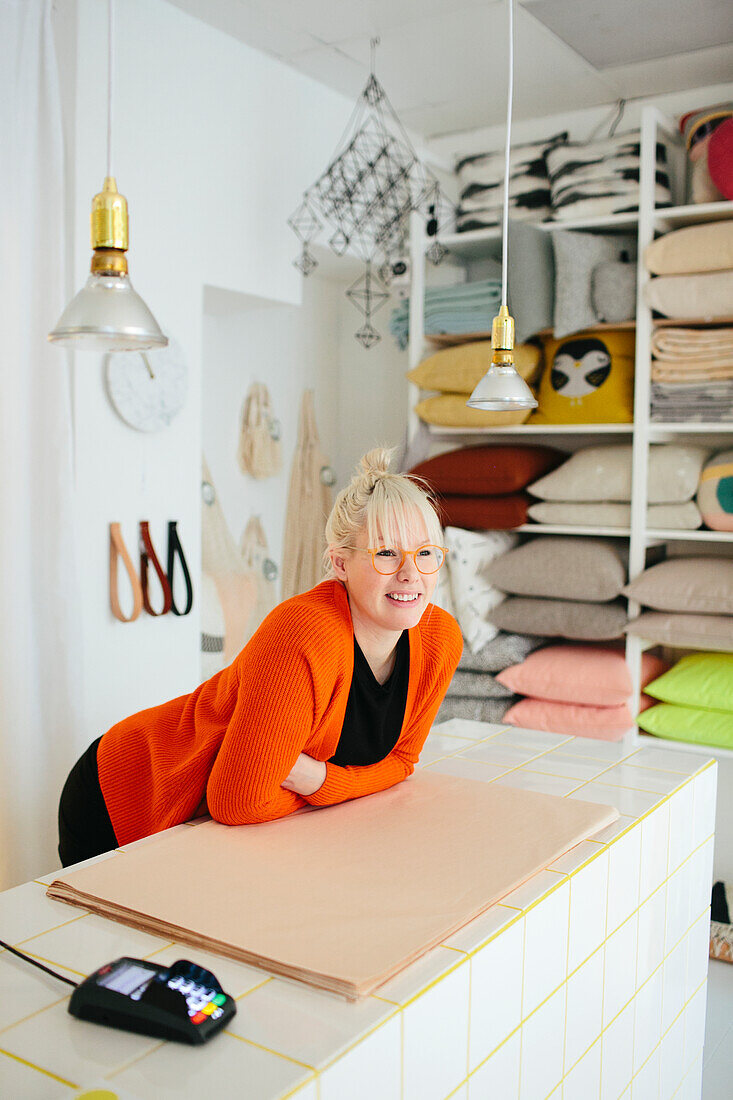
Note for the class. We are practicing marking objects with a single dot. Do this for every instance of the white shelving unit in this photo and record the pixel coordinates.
(649, 223)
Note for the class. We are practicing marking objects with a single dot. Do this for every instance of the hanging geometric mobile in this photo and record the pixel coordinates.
(365, 196)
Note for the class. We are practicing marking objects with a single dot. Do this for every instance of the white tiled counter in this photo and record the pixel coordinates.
(588, 981)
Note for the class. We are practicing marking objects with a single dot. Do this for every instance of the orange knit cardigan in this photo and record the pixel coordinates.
(237, 736)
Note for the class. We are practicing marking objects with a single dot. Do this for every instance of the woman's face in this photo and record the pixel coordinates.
(385, 603)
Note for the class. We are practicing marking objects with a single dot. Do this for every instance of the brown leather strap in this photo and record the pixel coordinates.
(147, 554)
(117, 549)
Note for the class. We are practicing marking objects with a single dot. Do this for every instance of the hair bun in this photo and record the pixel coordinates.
(375, 464)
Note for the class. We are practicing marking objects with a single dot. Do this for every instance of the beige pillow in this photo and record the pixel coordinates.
(449, 410)
(705, 296)
(701, 584)
(693, 249)
(575, 619)
(460, 369)
(603, 473)
(679, 517)
(696, 631)
(563, 567)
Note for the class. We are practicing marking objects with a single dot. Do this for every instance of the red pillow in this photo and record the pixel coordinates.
(491, 469)
(484, 513)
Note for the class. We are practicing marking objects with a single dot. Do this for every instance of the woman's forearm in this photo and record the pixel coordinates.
(306, 776)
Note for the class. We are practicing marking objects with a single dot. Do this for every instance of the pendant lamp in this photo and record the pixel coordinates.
(502, 389)
(107, 314)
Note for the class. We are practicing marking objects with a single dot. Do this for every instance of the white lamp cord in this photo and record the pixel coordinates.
(505, 215)
(110, 80)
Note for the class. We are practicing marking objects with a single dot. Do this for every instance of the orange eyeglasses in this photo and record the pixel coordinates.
(388, 559)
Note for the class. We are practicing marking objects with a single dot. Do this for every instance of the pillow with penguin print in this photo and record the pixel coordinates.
(588, 379)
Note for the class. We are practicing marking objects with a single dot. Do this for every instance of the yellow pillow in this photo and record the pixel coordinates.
(588, 379)
(449, 410)
(460, 369)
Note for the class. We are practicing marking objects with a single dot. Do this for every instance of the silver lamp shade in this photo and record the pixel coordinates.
(108, 315)
(502, 389)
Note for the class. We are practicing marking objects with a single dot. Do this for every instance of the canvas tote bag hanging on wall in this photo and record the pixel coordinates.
(259, 451)
(309, 504)
(257, 560)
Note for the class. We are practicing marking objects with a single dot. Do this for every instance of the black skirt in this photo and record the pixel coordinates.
(85, 828)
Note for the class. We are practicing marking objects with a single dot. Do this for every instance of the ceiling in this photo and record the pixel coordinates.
(443, 64)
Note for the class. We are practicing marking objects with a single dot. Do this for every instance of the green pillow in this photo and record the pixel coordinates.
(700, 727)
(702, 680)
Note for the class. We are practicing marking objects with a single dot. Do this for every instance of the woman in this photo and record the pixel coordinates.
(331, 699)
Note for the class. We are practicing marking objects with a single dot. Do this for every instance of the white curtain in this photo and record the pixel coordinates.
(39, 697)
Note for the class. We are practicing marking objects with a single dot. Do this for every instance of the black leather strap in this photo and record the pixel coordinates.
(148, 555)
(175, 548)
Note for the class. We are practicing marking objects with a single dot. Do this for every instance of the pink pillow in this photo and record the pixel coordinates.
(594, 675)
(600, 723)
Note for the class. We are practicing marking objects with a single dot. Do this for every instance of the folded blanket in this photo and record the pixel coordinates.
(467, 307)
(680, 345)
(688, 371)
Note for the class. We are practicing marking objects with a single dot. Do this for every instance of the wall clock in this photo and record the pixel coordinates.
(147, 389)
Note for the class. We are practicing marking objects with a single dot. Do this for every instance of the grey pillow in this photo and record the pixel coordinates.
(574, 619)
(613, 291)
(604, 473)
(696, 631)
(701, 584)
(477, 685)
(576, 255)
(530, 278)
(563, 567)
(501, 652)
(477, 710)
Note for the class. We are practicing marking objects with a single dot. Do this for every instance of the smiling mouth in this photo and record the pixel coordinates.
(405, 597)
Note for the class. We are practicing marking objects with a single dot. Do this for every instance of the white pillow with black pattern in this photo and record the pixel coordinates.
(601, 178)
(470, 552)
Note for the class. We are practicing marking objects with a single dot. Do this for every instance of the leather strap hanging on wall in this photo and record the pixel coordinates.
(117, 549)
(147, 554)
(175, 548)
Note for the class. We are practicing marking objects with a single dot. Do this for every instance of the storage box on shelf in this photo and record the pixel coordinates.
(474, 245)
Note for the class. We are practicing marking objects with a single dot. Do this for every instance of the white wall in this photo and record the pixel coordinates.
(213, 145)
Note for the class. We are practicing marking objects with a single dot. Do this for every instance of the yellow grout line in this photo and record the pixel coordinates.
(302, 1084)
(254, 987)
(133, 1061)
(361, 1039)
(52, 962)
(269, 1050)
(38, 935)
(31, 1065)
(417, 996)
(402, 1055)
(30, 1016)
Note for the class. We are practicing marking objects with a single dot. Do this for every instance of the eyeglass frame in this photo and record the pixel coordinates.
(373, 550)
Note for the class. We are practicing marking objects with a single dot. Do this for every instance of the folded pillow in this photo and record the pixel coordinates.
(699, 584)
(600, 723)
(449, 410)
(500, 652)
(590, 675)
(678, 517)
(562, 567)
(700, 727)
(459, 369)
(709, 295)
(694, 249)
(473, 596)
(575, 619)
(475, 710)
(491, 470)
(602, 177)
(588, 379)
(715, 493)
(698, 680)
(485, 513)
(695, 631)
(477, 685)
(603, 473)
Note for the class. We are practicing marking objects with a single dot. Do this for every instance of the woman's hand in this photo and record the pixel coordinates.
(306, 776)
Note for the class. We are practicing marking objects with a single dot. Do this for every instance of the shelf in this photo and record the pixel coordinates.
(690, 322)
(697, 535)
(658, 427)
(474, 241)
(538, 429)
(673, 217)
(649, 740)
(453, 339)
(572, 529)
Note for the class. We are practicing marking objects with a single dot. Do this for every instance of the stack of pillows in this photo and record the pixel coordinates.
(455, 372)
(689, 602)
(696, 701)
(482, 488)
(582, 690)
(593, 487)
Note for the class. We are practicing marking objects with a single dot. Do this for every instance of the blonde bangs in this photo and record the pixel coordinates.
(398, 513)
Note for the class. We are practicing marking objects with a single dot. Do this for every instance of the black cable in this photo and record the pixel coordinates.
(40, 966)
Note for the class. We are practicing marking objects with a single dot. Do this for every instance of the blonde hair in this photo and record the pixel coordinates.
(386, 505)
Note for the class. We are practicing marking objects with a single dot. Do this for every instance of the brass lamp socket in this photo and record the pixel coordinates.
(502, 335)
(109, 219)
(108, 261)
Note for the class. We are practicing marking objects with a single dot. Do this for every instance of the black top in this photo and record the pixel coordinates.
(374, 711)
